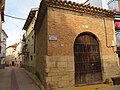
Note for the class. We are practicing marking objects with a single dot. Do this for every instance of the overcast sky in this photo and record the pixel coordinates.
(21, 9)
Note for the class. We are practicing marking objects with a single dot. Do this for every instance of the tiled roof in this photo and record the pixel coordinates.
(72, 6)
(13, 46)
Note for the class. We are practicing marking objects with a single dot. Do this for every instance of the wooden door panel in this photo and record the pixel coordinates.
(87, 60)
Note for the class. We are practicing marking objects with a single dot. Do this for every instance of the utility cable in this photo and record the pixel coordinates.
(14, 17)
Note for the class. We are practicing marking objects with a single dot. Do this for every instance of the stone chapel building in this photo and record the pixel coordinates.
(74, 44)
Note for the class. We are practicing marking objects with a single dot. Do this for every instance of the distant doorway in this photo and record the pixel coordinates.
(13, 63)
(87, 59)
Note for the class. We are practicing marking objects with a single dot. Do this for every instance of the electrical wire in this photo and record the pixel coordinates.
(14, 17)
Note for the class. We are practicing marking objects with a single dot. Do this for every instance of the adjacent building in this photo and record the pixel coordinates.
(20, 56)
(95, 3)
(3, 48)
(113, 5)
(11, 56)
(24, 50)
(30, 40)
(74, 44)
(2, 6)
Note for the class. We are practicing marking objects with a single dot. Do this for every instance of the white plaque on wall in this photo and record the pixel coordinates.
(52, 37)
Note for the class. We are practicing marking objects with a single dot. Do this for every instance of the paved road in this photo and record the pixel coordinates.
(5, 79)
(16, 79)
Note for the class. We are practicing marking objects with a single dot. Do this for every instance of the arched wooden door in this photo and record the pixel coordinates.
(87, 59)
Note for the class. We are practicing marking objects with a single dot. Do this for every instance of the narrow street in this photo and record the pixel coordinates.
(12, 78)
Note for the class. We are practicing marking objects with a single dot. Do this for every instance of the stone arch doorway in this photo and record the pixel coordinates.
(87, 59)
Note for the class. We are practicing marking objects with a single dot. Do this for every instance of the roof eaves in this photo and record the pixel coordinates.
(30, 17)
(4, 33)
(71, 6)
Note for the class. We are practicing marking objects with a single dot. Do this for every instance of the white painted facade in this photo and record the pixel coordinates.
(3, 47)
(19, 51)
(13, 55)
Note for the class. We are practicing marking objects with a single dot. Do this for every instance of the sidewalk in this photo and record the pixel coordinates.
(90, 87)
(23, 80)
(116, 87)
(93, 87)
(34, 79)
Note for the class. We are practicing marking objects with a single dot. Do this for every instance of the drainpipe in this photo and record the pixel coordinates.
(119, 5)
(106, 34)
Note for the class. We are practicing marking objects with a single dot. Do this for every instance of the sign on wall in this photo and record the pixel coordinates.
(53, 37)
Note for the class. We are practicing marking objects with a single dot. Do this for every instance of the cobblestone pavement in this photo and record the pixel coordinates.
(16, 79)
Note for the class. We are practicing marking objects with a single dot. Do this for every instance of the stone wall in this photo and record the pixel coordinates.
(60, 71)
(110, 65)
